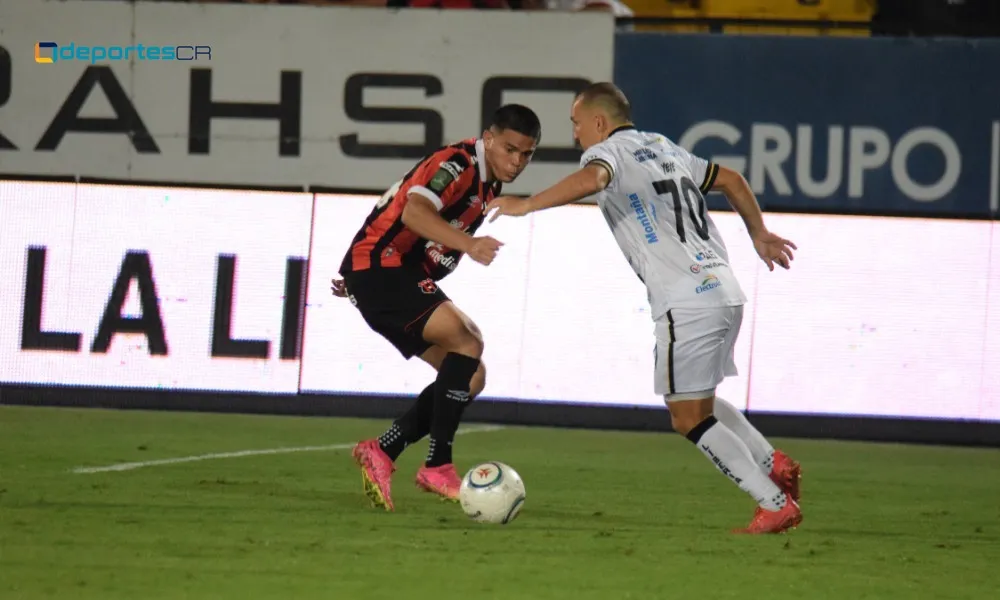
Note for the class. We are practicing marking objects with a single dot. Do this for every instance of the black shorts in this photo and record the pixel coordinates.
(396, 302)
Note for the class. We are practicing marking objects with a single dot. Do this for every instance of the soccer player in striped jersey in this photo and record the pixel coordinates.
(415, 236)
(651, 192)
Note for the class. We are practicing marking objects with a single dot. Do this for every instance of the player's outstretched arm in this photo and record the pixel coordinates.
(741, 198)
(770, 247)
(422, 218)
(586, 182)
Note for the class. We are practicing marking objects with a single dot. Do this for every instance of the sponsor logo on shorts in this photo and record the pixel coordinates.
(428, 286)
(706, 255)
(708, 284)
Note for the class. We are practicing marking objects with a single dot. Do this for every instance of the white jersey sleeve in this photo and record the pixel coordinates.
(702, 172)
(602, 155)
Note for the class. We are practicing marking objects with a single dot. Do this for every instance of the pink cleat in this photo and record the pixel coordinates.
(443, 481)
(376, 473)
(779, 521)
(786, 474)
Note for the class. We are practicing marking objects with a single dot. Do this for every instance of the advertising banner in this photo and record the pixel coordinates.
(301, 96)
(842, 125)
(160, 288)
(113, 286)
(896, 327)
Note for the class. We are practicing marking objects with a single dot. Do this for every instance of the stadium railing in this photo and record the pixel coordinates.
(777, 17)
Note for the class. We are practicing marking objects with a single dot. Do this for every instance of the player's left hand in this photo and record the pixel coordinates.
(338, 287)
(774, 249)
(508, 205)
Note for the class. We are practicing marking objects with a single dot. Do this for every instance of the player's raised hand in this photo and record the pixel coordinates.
(338, 287)
(484, 249)
(507, 205)
(774, 249)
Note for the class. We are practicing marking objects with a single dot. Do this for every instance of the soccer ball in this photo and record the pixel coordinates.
(492, 493)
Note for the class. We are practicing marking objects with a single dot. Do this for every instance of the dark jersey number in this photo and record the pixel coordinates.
(695, 205)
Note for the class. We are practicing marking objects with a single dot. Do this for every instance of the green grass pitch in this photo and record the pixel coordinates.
(608, 515)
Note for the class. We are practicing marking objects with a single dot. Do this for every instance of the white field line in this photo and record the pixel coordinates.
(130, 466)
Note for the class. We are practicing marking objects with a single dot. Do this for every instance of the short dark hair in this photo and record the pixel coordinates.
(519, 118)
(607, 96)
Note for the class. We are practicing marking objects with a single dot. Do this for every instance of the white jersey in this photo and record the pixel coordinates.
(655, 206)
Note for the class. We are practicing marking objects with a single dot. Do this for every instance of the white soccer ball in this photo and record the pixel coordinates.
(492, 492)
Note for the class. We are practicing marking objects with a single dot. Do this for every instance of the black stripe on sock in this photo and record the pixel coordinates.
(465, 365)
(699, 430)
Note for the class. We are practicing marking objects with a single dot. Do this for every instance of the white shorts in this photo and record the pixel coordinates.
(694, 348)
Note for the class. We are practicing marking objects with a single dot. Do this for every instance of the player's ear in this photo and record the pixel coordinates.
(488, 138)
(601, 124)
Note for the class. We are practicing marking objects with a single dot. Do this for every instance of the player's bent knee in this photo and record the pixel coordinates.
(681, 425)
(468, 344)
(473, 343)
(474, 330)
(451, 330)
(478, 383)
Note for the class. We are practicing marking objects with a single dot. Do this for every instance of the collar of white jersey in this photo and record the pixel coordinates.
(481, 158)
(622, 128)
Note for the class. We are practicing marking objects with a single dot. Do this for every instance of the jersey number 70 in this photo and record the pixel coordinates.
(695, 204)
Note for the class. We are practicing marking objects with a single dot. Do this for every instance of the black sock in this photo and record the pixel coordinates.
(410, 427)
(451, 395)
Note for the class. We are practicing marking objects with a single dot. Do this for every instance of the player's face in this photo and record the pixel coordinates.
(586, 130)
(508, 153)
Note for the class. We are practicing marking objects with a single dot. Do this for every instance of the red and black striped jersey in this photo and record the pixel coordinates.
(453, 178)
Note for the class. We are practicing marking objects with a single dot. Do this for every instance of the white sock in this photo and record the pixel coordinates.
(732, 457)
(735, 421)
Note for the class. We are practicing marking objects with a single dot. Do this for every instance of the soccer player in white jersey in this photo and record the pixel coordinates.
(651, 192)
